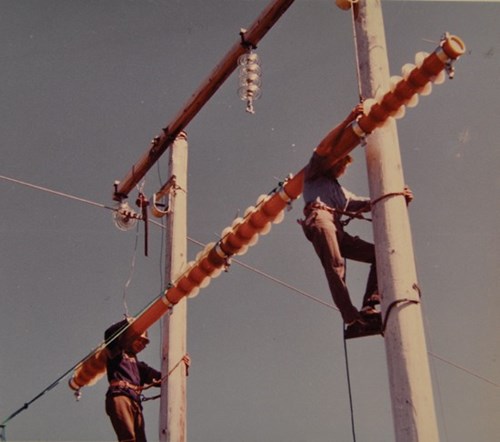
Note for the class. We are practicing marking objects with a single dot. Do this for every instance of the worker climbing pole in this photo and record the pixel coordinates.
(409, 376)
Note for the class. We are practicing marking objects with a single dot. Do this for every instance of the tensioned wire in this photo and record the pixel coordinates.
(248, 267)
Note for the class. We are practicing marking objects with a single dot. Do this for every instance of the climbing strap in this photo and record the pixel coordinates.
(320, 206)
(387, 195)
(359, 215)
(349, 214)
(187, 361)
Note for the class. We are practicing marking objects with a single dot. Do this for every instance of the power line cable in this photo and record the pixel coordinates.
(446, 361)
(272, 278)
(266, 275)
(65, 374)
(239, 263)
(435, 375)
(55, 192)
(55, 383)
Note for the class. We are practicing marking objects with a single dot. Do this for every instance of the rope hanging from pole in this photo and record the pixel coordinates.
(349, 390)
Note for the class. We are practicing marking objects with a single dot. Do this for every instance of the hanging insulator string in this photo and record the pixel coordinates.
(249, 79)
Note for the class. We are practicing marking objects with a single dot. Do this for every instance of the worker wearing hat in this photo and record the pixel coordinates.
(326, 201)
(127, 378)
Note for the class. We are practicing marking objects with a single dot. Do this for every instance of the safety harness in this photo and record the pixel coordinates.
(315, 205)
(140, 388)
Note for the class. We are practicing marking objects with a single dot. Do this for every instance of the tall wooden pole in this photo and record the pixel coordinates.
(408, 365)
(173, 390)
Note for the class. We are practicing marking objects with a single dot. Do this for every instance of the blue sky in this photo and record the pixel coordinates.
(86, 85)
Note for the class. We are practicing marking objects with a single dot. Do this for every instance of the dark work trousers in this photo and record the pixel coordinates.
(126, 418)
(332, 245)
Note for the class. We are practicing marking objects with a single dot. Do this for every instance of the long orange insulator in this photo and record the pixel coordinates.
(90, 370)
(267, 210)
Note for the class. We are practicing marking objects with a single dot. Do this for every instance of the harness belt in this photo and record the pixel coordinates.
(315, 205)
(124, 384)
(338, 213)
(309, 209)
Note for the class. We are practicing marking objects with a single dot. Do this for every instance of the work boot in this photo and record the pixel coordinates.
(368, 325)
(373, 300)
(368, 311)
(358, 320)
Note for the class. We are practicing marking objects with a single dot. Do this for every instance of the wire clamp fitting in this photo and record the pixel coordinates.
(244, 42)
(78, 395)
(249, 85)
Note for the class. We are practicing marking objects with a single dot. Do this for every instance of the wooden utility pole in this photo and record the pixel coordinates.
(173, 390)
(408, 365)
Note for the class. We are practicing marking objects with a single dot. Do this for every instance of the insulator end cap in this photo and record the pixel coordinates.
(453, 46)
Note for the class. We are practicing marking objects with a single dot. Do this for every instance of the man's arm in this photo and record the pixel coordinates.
(328, 143)
(363, 204)
(357, 203)
(148, 374)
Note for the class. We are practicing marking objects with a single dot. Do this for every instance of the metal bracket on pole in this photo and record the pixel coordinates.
(167, 189)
